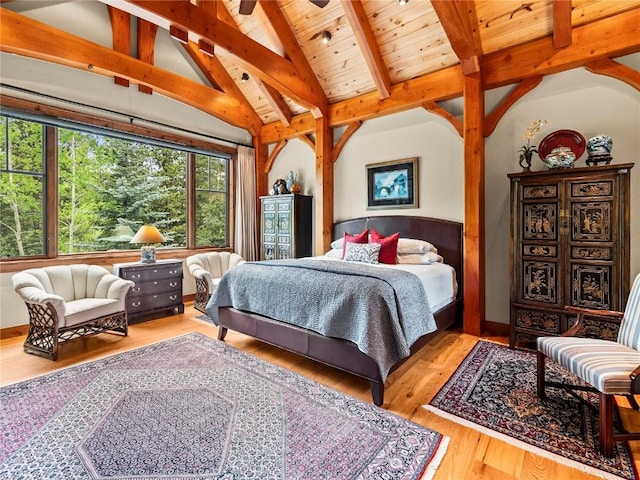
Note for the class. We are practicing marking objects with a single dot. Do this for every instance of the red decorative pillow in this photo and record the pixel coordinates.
(362, 237)
(388, 246)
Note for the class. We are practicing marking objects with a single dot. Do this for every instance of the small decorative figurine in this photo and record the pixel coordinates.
(599, 150)
(280, 187)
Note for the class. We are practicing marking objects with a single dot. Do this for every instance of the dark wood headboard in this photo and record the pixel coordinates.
(444, 234)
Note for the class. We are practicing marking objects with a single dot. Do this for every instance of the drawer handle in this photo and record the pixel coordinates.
(135, 304)
(173, 272)
(173, 297)
(135, 276)
(136, 289)
(155, 283)
(173, 284)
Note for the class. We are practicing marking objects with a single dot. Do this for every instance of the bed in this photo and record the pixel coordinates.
(445, 235)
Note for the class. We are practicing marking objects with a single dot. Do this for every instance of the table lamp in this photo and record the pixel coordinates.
(148, 234)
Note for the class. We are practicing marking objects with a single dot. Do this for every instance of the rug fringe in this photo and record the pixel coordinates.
(435, 461)
(525, 446)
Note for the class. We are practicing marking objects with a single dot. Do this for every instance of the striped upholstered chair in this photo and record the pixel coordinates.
(611, 368)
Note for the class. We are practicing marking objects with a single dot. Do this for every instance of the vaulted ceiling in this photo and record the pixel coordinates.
(382, 57)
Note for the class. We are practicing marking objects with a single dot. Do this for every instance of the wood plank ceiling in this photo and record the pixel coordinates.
(375, 46)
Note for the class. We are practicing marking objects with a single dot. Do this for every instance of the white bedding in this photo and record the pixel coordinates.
(438, 279)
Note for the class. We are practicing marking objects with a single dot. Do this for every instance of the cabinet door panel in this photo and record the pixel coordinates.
(591, 221)
(591, 286)
(269, 223)
(540, 221)
(540, 281)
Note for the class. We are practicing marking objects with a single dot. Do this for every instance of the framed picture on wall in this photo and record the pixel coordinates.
(392, 184)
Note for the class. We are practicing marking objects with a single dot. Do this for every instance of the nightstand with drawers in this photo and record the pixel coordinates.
(158, 287)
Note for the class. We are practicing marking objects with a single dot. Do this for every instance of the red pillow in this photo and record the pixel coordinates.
(388, 246)
(362, 237)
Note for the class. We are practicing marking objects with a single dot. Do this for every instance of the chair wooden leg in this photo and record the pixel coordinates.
(540, 375)
(606, 424)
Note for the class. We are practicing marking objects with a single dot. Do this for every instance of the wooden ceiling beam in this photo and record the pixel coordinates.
(611, 37)
(275, 100)
(460, 23)
(611, 68)
(274, 154)
(561, 23)
(280, 27)
(30, 38)
(146, 47)
(434, 107)
(366, 40)
(441, 85)
(524, 87)
(214, 71)
(121, 34)
(270, 67)
(348, 133)
(272, 96)
(308, 140)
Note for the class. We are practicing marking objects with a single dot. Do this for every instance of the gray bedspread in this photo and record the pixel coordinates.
(383, 311)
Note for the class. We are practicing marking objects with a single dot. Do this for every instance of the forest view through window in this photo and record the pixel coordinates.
(108, 186)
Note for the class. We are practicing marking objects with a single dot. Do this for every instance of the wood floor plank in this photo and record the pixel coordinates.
(471, 455)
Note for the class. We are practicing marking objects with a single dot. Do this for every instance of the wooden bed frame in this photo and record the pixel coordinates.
(343, 354)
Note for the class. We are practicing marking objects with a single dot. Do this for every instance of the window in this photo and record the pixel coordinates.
(108, 185)
(22, 188)
(211, 201)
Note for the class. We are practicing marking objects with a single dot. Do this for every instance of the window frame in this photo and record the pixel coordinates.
(49, 116)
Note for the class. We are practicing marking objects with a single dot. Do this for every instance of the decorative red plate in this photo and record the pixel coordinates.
(562, 138)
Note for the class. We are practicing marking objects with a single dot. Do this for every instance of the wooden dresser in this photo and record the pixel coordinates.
(158, 287)
(286, 226)
(570, 245)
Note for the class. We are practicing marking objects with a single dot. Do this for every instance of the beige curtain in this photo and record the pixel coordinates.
(246, 216)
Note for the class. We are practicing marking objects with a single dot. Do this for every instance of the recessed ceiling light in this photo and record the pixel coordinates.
(245, 77)
(326, 37)
(403, 2)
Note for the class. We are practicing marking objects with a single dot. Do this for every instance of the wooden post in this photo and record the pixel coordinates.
(323, 197)
(474, 280)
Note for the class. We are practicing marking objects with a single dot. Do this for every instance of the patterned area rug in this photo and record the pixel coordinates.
(193, 407)
(494, 391)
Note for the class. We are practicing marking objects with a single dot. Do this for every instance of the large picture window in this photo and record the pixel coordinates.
(107, 187)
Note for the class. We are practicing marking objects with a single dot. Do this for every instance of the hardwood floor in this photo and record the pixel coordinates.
(471, 455)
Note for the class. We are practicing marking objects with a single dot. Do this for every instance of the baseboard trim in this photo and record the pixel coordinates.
(496, 329)
(12, 332)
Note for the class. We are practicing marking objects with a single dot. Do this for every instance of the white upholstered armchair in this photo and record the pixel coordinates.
(208, 268)
(70, 301)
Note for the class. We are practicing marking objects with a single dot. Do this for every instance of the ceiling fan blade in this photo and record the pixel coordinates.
(320, 3)
(247, 6)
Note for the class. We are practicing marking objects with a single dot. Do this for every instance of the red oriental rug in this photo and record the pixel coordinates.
(494, 391)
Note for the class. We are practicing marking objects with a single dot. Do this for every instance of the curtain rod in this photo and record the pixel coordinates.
(127, 115)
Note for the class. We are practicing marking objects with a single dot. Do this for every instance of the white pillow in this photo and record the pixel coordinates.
(337, 244)
(334, 253)
(405, 245)
(419, 258)
(362, 252)
(413, 245)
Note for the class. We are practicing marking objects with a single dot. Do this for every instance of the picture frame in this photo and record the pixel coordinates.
(392, 184)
